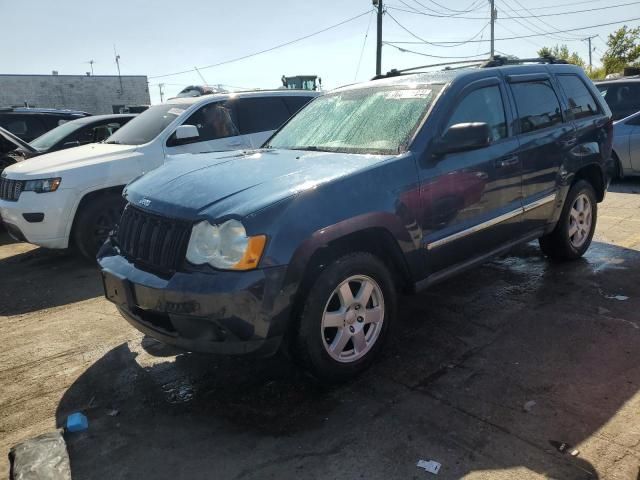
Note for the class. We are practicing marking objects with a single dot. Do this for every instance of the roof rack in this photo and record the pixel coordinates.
(499, 61)
(409, 71)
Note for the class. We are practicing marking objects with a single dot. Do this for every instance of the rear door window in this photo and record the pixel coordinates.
(581, 102)
(482, 105)
(537, 104)
(261, 114)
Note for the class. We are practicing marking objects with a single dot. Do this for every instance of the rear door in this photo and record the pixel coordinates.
(545, 141)
(259, 117)
(471, 200)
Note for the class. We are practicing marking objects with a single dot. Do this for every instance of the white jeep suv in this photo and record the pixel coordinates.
(73, 197)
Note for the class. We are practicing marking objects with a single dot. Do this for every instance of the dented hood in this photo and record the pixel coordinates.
(213, 185)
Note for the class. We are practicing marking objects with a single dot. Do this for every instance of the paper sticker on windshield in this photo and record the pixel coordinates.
(409, 93)
(175, 111)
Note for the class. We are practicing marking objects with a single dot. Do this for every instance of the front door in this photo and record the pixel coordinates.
(471, 200)
(218, 131)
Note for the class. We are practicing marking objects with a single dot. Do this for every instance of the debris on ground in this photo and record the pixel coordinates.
(562, 447)
(622, 298)
(603, 311)
(528, 406)
(177, 392)
(430, 466)
(575, 452)
(113, 412)
(77, 422)
(41, 458)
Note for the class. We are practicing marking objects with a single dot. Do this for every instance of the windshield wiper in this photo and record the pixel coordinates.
(311, 148)
(113, 142)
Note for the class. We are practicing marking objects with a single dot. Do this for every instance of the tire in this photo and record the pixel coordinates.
(338, 353)
(94, 222)
(561, 244)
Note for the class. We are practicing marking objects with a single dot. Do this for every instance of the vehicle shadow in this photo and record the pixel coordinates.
(625, 185)
(26, 280)
(464, 358)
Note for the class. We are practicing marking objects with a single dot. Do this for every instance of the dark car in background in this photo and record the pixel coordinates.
(80, 132)
(372, 189)
(74, 133)
(30, 123)
(622, 95)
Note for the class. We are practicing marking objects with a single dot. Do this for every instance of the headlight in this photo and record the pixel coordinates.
(224, 246)
(42, 186)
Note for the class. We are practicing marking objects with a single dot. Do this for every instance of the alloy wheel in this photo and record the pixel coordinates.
(352, 319)
(580, 219)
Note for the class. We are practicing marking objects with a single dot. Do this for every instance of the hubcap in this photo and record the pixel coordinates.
(352, 319)
(580, 219)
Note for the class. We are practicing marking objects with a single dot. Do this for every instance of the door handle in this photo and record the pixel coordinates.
(507, 162)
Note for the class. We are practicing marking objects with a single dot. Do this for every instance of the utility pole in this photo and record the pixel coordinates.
(378, 3)
(91, 62)
(494, 15)
(160, 86)
(588, 39)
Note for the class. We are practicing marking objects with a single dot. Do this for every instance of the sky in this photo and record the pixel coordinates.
(162, 37)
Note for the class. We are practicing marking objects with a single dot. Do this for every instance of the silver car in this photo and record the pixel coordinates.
(626, 145)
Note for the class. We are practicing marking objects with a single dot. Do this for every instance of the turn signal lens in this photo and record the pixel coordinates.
(252, 254)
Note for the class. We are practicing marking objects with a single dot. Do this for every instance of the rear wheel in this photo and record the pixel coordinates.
(94, 222)
(346, 317)
(573, 233)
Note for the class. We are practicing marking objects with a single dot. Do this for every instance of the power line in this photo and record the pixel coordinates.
(533, 27)
(364, 44)
(515, 17)
(544, 22)
(617, 22)
(434, 56)
(265, 50)
(435, 44)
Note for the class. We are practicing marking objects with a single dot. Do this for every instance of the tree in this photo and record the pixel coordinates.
(561, 52)
(624, 49)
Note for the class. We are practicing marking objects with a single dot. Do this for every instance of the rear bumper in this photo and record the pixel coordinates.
(208, 312)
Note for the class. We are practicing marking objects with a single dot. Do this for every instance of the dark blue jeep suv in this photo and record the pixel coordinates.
(371, 189)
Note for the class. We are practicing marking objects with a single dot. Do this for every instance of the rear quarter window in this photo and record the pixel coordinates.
(581, 102)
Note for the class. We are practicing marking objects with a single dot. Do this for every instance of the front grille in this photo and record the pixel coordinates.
(10, 189)
(151, 240)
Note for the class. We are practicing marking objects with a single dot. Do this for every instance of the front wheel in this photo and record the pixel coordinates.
(94, 222)
(346, 317)
(573, 233)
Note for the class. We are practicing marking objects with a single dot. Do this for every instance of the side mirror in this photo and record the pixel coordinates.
(462, 137)
(184, 132)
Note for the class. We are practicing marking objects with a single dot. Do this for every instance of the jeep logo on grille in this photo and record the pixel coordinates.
(145, 202)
